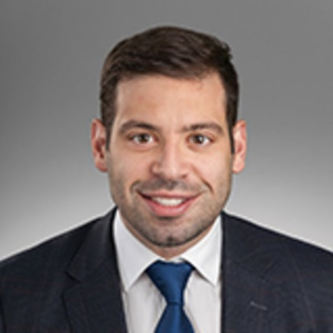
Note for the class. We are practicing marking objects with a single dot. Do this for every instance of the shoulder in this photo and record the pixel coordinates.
(276, 244)
(34, 282)
(301, 271)
(51, 257)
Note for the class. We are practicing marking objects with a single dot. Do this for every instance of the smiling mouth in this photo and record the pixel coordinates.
(168, 202)
(167, 205)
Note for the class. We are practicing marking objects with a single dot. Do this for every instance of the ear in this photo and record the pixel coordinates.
(240, 145)
(98, 144)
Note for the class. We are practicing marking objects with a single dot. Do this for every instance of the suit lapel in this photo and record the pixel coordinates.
(94, 303)
(250, 302)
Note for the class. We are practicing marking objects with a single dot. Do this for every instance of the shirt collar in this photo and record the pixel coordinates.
(134, 257)
(205, 256)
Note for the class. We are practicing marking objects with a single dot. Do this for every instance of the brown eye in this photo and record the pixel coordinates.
(142, 138)
(199, 139)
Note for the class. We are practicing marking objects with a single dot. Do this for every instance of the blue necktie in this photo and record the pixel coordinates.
(171, 279)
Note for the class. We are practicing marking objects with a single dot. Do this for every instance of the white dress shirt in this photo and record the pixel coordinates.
(143, 302)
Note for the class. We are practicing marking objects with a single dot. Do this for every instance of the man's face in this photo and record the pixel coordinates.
(169, 160)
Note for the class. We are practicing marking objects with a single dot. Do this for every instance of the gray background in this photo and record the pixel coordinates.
(51, 55)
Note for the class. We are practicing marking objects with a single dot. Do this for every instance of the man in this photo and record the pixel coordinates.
(169, 140)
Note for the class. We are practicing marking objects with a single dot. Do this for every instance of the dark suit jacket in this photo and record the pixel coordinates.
(271, 284)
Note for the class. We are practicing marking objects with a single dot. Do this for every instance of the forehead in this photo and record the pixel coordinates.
(165, 99)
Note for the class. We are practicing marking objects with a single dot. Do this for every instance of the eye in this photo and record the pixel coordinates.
(200, 139)
(142, 138)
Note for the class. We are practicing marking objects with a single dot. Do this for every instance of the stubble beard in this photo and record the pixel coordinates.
(167, 232)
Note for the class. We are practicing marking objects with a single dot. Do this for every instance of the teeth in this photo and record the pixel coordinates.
(168, 202)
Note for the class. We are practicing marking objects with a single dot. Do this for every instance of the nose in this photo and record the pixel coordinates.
(170, 162)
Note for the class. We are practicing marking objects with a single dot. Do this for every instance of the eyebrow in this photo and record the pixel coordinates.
(190, 128)
(136, 124)
(200, 126)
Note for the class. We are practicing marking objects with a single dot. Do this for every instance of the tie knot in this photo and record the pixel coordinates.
(170, 279)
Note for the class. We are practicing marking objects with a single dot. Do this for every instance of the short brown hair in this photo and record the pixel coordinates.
(170, 51)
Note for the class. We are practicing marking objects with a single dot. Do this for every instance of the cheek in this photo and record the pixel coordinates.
(125, 169)
(214, 170)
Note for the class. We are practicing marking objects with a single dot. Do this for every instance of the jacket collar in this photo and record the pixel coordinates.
(94, 304)
(250, 298)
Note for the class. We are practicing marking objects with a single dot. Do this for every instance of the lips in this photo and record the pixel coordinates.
(168, 205)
